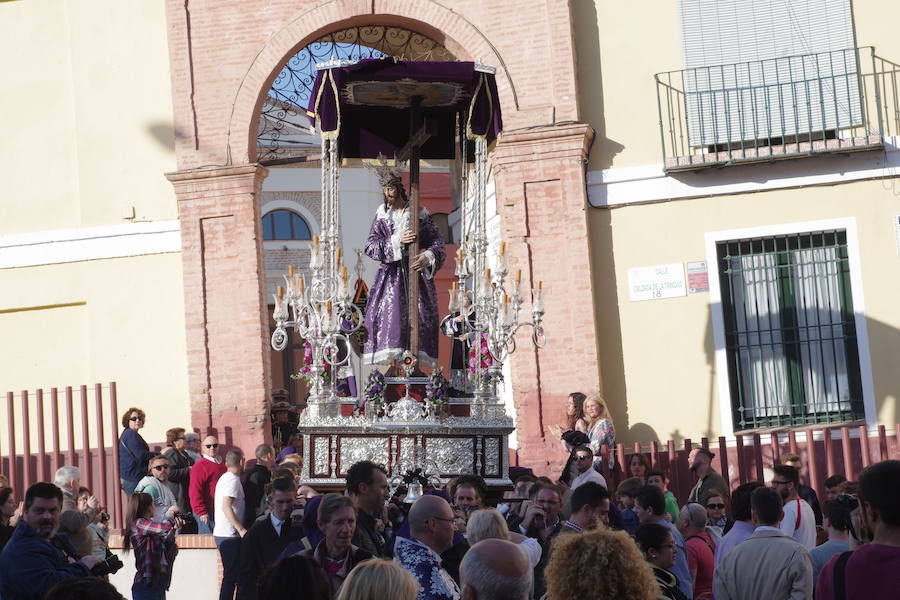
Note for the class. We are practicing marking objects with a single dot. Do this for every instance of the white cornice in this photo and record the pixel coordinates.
(88, 243)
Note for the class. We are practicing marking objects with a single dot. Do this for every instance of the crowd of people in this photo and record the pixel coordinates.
(573, 537)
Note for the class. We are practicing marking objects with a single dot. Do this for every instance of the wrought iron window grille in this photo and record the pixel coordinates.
(284, 134)
(790, 330)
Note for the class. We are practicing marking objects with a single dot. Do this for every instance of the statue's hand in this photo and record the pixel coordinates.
(407, 236)
(420, 262)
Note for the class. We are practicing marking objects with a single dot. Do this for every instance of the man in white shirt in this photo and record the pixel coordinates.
(799, 520)
(229, 513)
(584, 464)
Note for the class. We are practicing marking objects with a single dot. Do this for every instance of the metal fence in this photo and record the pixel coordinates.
(827, 102)
(827, 451)
(40, 436)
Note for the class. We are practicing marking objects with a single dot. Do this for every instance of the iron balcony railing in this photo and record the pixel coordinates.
(828, 102)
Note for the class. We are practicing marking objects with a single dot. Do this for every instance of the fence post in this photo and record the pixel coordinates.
(864, 446)
(26, 441)
(70, 414)
(792, 441)
(118, 508)
(758, 456)
(829, 452)
(813, 469)
(723, 460)
(42, 447)
(54, 416)
(742, 471)
(620, 456)
(848, 454)
(776, 447)
(87, 470)
(882, 443)
(11, 433)
(101, 446)
(672, 466)
(654, 451)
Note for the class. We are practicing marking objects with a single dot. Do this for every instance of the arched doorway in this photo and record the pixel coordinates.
(287, 144)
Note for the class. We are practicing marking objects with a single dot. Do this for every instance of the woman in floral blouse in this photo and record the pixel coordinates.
(601, 430)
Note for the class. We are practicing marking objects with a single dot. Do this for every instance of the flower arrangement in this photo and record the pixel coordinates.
(305, 372)
(480, 359)
(375, 389)
(437, 388)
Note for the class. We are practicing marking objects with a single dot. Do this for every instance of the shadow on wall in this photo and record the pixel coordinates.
(164, 134)
(590, 83)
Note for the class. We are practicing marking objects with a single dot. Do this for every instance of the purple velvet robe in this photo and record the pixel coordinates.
(387, 314)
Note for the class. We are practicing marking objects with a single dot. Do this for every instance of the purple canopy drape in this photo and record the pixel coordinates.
(366, 105)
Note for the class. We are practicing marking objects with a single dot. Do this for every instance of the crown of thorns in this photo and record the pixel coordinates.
(388, 175)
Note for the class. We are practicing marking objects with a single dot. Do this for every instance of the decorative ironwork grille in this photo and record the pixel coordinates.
(790, 333)
(284, 133)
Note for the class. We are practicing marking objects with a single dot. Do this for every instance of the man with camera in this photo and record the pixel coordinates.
(35, 559)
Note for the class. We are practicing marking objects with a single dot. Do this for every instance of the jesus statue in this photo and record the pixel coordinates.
(387, 314)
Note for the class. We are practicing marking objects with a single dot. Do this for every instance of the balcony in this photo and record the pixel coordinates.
(762, 111)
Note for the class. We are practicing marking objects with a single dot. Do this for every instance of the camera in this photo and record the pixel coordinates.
(107, 566)
(104, 517)
(184, 516)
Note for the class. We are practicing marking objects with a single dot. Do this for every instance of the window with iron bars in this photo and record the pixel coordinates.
(790, 333)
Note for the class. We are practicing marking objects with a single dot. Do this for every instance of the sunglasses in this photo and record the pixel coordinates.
(585, 457)
(715, 506)
(136, 419)
(211, 445)
(774, 482)
(160, 467)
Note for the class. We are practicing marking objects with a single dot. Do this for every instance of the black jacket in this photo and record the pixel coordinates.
(255, 482)
(809, 494)
(260, 549)
(366, 538)
(180, 477)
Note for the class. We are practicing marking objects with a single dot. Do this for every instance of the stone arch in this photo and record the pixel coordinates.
(428, 17)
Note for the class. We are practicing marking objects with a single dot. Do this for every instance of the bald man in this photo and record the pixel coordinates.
(431, 527)
(495, 568)
(204, 476)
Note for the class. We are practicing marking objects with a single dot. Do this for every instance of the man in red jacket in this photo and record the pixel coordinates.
(204, 475)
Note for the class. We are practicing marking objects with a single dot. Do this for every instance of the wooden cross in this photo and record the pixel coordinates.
(420, 130)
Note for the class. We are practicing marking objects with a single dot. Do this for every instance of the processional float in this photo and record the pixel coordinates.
(408, 110)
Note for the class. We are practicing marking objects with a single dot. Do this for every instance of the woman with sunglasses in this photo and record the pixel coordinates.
(134, 453)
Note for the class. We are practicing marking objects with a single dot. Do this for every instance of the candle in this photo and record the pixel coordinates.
(279, 291)
(453, 287)
(302, 284)
(316, 241)
(459, 255)
(344, 273)
(505, 299)
(291, 271)
(502, 249)
(540, 285)
(518, 276)
(337, 256)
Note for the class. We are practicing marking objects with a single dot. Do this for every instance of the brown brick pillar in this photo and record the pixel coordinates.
(542, 198)
(225, 320)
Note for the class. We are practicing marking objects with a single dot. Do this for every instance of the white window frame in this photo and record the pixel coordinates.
(847, 224)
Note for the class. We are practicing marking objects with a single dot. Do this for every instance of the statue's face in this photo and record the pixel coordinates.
(391, 192)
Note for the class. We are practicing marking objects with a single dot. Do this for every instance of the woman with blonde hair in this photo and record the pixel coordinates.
(599, 564)
(376, 579)
(601, 430)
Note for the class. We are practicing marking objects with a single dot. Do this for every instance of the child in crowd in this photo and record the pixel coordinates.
(656, 477)
(625, 493)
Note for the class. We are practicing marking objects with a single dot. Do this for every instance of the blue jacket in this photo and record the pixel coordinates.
(134, 456)
(30, 566)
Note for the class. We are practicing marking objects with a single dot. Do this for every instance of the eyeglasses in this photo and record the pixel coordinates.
(715, 506)
(160, 467)
(774, 482)
(444, 519)
(137, 419)
(211, 445)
